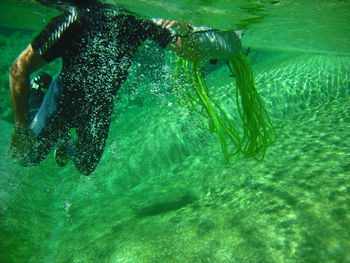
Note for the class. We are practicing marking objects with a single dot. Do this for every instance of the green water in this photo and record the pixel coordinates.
(163, 192)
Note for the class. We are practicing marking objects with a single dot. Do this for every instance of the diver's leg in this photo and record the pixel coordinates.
(47, 127)
(42, 144)
(87, 151)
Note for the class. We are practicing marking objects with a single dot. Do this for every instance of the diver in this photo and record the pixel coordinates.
(97, 43)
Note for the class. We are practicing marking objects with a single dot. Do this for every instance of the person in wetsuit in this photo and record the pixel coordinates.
(97, 43)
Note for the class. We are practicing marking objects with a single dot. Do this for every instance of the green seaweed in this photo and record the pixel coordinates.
(258, 132)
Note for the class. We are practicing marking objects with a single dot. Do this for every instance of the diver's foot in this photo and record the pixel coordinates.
(61, 154)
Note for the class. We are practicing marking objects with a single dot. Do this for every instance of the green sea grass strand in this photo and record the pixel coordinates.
(249, 110)
(186, 98)
(216, 116)
(189, 101)
(219, 123)
(213, 118)
(230, 128)
(258, 130)
(227, 124)
(223, 119)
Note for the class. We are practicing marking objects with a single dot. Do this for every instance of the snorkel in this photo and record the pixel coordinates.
(257, 132)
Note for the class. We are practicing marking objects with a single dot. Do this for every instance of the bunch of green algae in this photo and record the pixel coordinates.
(257, 132)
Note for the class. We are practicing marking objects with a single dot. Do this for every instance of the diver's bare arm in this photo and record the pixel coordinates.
(20, 70)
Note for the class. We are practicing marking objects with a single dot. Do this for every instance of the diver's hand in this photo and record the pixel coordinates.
(178, 28)
(21, 141)
(185, 42)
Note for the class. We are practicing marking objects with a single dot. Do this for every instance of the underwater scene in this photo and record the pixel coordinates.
(168, 189)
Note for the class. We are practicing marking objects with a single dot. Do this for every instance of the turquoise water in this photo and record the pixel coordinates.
(163, 191)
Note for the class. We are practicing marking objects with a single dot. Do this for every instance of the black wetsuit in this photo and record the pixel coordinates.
(97, 45)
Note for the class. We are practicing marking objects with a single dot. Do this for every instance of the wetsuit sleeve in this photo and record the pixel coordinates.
(56, 36)
(147, 29)
(160, 35)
